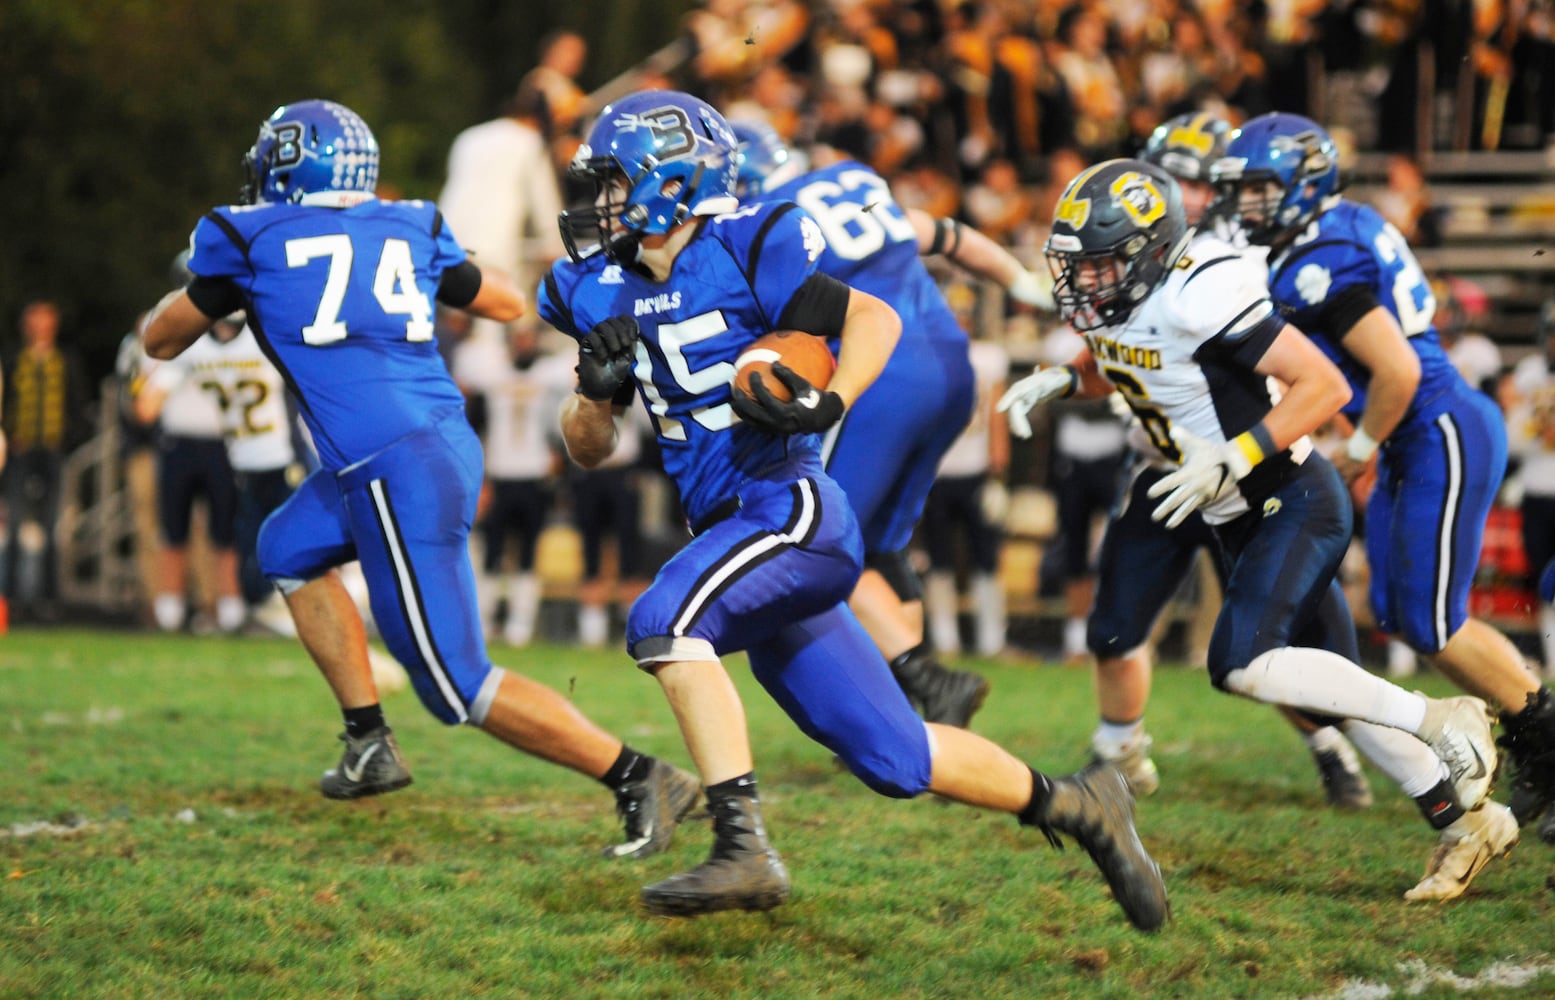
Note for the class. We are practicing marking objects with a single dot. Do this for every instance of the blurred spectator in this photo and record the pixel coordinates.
(1461, 307)
(967, 505)
(560, 103)
(1531, 440)
(1094, 86)
(1406, 203)
(44, 418)
(501, 201)
(1089, 447)
(999, 205)
(515, 414)
(735, 38)
(192, 464)
(607, 506)
(138, 453)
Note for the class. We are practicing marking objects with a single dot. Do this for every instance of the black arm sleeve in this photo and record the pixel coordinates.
(215, 297)
(460, 284)
(1344, 308)
(820, 306)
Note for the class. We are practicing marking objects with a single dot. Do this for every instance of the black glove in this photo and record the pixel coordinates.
(606, 356)
(811, 410)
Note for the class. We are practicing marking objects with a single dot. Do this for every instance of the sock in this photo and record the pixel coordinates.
(939, 600)
(992, 621)
(629, 766)
(361, 721)
(1547, 638)
(1074, 637)
(1041, 792)
(1408, 762)
(1113, 739)
(743, 786)
(231, 612)
(168, 610)
(1439, 806)
(1328, 684)
(1402, 661)
(1320, 740)
(593, 626)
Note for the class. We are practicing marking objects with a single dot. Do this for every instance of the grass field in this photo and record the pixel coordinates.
(162, 836)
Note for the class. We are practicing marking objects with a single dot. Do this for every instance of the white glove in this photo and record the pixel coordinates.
(1208, 472)
(1035, 289)
(1035, 389)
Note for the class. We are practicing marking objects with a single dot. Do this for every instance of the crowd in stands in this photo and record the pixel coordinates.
(980, 110)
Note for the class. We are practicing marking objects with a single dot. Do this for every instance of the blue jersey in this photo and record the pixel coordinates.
(871, 246)
(333, 290)
(1350, 245)
(729, 286)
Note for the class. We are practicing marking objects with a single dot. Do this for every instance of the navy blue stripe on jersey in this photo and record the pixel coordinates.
(227, 227)
(437, 223)
(750, 553)
(760, 239)
(1447, 520)
(408, 589)
(268, 349)
(1306, 250)
(1245, 348)
(553, 292)
(1201, 268)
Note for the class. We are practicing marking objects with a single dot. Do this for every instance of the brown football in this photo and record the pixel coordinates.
(803, 353)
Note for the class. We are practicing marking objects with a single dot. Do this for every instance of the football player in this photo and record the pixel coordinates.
(886, 450)
(1344, 274)
(1128, 602)
(669, 279)
(339, 288)
(1182, 325)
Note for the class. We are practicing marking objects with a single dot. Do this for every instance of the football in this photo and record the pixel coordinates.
(805, 354)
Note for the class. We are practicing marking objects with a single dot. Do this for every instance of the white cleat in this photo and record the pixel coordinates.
(1472, 841)
(1459, 731)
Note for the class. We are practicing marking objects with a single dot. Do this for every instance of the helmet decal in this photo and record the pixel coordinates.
(1140, 198)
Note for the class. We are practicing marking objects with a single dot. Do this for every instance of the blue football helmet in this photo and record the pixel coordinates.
(1186, 146)
(311, 153)
(760, 152)
(1118, 228)
(654, 160)
(1278, 173)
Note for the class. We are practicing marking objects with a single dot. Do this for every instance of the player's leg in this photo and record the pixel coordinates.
(222, 496)
(177, 480)
(1451, 471)
(591, 514)
(943, 521)
(532, 504)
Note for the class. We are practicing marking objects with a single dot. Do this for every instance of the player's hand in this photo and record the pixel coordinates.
(1039, 387)
(1349, 469)
(606, 356)
(1207, 472)
(811, 410)
(1035, 289)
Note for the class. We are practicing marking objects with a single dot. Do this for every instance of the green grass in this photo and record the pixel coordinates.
(195, 858)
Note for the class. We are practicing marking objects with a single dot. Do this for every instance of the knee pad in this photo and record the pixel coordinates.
(896, 569)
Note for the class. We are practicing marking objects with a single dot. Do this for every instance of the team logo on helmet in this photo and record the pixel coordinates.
(1140, 198)
(1072, 209)
(1192, 137)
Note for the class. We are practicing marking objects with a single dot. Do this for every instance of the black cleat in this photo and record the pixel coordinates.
(743, 872)
(371, 765)
(948, 697)
(1529, 741)
(1095, 808)
(651, 808)
(1343, 780)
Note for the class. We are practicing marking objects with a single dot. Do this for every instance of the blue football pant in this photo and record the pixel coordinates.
(1425, 520)
(406, 514)
(772, 579)
(886, 451)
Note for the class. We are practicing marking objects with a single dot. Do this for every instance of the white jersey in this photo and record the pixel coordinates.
(521, 427)
(1186, 357)
(229, 389)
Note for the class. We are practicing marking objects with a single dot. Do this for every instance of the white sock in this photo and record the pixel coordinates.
(1074, 637)
(168, 610)
(231, 612)
(992, 622)
(593, 626)
(1328, 684)
(523, 607)
(1113, 739)
(1402, 661)
(1323, 739)
(939, 602)
(1412, 765)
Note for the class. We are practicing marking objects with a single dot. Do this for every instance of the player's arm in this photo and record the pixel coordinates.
(975, 252)
(1375, 340)
(175, 323)
(481, 291)
(591, 428)
(870, 330)
(1315, 388)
